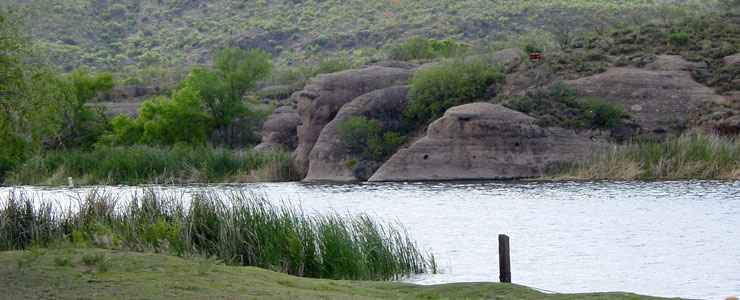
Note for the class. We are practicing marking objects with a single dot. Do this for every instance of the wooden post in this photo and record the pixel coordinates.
(504, 260)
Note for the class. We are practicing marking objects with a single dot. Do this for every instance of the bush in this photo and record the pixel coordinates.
(367, 138)
(679, 38)
(559, 106)
(435, 89)
(164, 121)
(422, 48)
(332, 65)
(602, 114)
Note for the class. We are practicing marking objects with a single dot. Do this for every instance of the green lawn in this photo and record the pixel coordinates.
(105, 274)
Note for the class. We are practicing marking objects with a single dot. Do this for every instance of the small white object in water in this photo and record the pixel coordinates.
(70, 182)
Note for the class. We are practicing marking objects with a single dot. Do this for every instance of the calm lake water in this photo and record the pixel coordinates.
(679, 239)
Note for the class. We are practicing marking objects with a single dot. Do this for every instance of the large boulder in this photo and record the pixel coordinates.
(484, 141)
(659, 101)
(324, 95)
(330, 156)
(509, 59)
(280, 130)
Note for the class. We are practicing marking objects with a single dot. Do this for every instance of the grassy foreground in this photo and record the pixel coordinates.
(75, 273)
(236, 228)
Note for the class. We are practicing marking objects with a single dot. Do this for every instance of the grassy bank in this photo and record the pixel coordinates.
(691, 156)
(146, 164)
(95, 274)
(238, 229)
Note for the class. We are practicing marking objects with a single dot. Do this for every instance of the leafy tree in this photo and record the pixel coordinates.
(207, 105)
(29, 104)
(83, 125)
(221, 89)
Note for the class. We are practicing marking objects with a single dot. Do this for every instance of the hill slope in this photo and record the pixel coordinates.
(115, 34)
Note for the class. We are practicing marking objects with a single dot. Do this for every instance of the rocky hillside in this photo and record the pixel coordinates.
(126, 35)
(630, 83)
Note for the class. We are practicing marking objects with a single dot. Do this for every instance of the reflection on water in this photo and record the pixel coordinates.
(658, 238)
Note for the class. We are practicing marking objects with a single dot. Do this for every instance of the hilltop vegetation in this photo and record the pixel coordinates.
(136, 35)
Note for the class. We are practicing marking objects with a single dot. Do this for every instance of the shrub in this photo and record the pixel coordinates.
(531, 48)
(602, 114)
(679, 38)
(435, 89)
(367, 138)
(559, 105)
(332, 65)
(422, 48)
(356, 132)
(164, 121)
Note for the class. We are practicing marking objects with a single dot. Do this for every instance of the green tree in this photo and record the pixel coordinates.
(207, 105)
(83, 125)
(30, 98)
(221, 89)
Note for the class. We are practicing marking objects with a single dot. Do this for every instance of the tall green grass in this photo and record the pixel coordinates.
(238, 228)
(690, 156)
(146, 164)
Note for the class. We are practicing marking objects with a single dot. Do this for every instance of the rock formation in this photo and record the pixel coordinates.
(280, 130)
(659, 101)
(484, 141)
(329, 156)
(324, 95)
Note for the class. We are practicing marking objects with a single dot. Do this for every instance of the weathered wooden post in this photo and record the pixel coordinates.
(504, 260)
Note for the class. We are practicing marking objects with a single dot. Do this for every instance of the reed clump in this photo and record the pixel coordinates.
(689, 156)
(237, 228)
(141, 164)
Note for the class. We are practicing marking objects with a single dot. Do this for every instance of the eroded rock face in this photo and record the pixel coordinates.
(329, 157)
(484, 141)
(280, 130)
(509, 59)
(659, 101)
(321, 99)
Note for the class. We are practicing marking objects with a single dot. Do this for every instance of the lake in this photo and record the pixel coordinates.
(678, 239)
